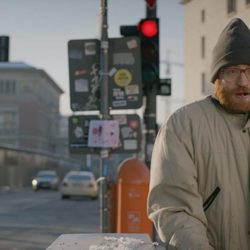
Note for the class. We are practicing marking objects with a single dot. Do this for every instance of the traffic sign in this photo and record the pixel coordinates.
(125, 86)
(84, 60)
(125, 91)
(129, 134)
(164, 87)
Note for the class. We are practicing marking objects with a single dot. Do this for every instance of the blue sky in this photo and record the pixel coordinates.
(40, 30)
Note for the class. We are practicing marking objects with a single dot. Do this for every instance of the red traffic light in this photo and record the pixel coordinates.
(149, 28)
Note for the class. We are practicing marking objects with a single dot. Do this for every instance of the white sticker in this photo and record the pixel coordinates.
(120, 103)
(122, 119)
(118, 94)
(90, 48)
(132, 44)
(123, 58)
(112, 71)
(78, 132)
(130, 144)
(75, 54)
(103, 133)
(132, 89)
(132, 98)
(126, 131)
(104, 153)
(88, 160)
(81, 85)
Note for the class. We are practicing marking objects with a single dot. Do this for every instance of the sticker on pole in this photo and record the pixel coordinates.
(103, 133)
(123, 77)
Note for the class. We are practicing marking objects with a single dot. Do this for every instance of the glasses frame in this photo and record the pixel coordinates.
(240, 71)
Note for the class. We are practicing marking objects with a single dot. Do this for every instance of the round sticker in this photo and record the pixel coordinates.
(75, 120)
(78, 132)
(123, 77)
(133, 124)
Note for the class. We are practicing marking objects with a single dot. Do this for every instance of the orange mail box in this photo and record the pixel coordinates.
(132, 191)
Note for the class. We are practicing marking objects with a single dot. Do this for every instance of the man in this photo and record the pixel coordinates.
(199, 183)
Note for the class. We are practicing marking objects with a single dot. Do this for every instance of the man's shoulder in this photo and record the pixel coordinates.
(196, 107)
(192, 114)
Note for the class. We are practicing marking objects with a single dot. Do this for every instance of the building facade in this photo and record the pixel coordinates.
(203, 22)
(29, 107)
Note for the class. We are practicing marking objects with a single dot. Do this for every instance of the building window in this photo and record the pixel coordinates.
(203, 16)
(231, 6)
(7, 86)
(8, 123)
(203, 47)
(25, 87)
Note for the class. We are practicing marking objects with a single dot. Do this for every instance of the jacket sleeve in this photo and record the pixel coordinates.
(174, 202)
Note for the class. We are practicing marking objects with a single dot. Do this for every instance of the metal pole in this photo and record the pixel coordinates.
(150, 122)
(150, 113)
(104, 112)
(150, 110)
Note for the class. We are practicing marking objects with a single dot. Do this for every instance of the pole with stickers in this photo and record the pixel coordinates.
(104, 112)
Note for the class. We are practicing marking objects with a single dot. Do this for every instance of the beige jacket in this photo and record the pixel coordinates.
(199, 149)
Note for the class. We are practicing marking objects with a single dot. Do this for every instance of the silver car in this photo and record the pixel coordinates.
(79, 183)
(46, 179)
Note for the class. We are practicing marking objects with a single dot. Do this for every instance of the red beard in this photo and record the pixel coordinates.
(228, 99)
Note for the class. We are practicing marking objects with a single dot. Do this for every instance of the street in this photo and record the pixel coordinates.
(34, 219)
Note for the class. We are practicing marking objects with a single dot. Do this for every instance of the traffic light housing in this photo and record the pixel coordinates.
(149, 35)
(129, 30)
(4, 48)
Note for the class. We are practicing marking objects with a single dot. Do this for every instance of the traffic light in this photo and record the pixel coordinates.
(4, 48)
(129, 30)
(149, 35)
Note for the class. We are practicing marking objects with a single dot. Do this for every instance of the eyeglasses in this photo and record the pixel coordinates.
(232, 74)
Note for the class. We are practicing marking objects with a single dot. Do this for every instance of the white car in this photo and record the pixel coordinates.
(46, 179)
(79, 183)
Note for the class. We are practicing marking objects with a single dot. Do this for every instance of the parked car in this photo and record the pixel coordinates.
(79, 183)
(46, 179)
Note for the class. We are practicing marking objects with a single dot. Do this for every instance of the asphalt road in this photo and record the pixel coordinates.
(34, 219)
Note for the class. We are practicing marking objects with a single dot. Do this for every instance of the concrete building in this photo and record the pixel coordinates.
(29, 107)
(203, 22)
(63, 138)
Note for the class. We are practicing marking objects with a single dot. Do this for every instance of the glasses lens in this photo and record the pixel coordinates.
(231, 74)
(247, 73)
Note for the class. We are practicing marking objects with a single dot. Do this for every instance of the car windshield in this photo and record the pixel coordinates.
(79, 177)
(46, 175)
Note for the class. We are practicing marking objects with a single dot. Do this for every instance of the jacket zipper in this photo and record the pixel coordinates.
(210, 199)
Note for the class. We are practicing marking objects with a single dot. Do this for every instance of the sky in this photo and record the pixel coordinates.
(40, 30)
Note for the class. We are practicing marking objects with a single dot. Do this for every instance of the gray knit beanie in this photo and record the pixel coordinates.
(232, 47)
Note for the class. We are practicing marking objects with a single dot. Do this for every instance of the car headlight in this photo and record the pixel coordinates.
(34, 182)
